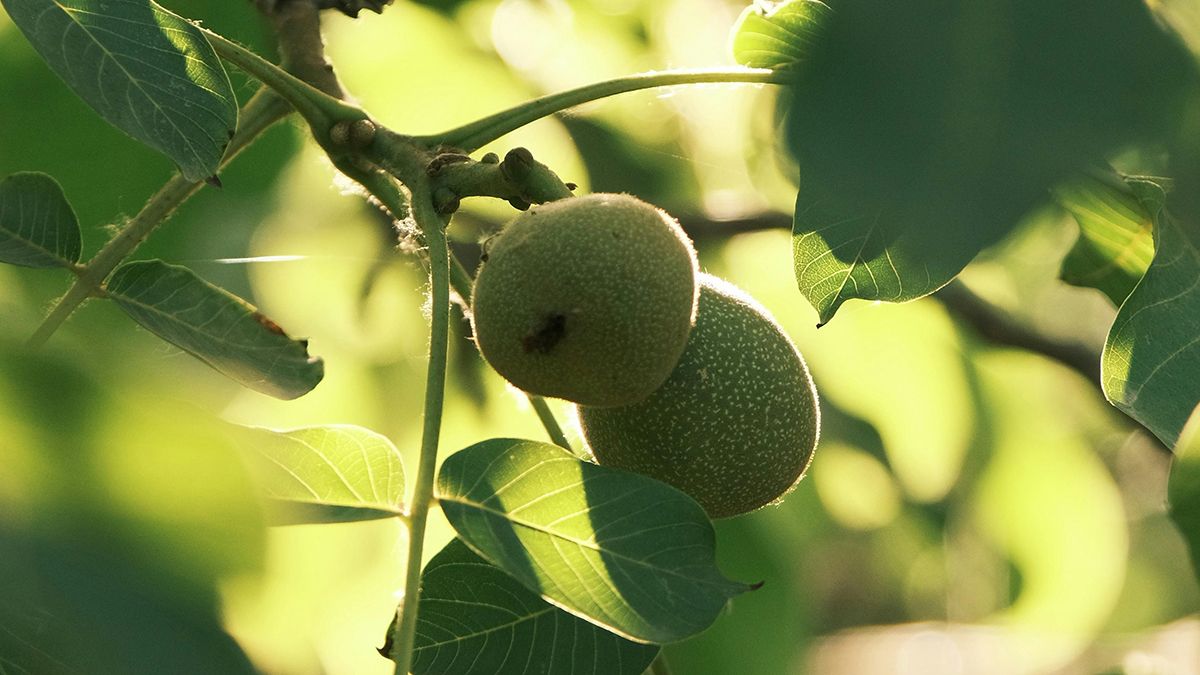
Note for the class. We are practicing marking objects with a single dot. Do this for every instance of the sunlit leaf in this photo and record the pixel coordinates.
(327, 474)
(861, 257)
(777, 36)
(216, 327)
(621, 550)
(1151, 362)
(145, 70)
(925, 131)
(1183, 488)
(38, 228)
(476, 620)
(1116, 236)
(1183, 16)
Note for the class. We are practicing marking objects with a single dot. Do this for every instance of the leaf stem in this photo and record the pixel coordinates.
(546, 415)
(470, 137)
(461, 281)
(318, 108)
(435, 385)
(257, 115)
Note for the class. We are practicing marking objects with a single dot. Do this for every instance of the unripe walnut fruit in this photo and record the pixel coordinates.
(734, 426)
(588, 299)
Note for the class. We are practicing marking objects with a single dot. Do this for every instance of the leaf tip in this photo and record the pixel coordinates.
(214, 181)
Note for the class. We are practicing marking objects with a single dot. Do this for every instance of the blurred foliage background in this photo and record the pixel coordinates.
(971, 508)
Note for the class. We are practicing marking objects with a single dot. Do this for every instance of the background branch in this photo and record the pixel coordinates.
(987, 320)
(998, 327)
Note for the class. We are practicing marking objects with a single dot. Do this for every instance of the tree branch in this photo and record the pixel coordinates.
(998, 327)
(297, 25)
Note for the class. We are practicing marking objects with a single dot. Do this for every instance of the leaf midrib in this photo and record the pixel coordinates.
(578, 542)
(480, 633)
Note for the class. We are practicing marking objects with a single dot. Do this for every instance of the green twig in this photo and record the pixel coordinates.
(435, 386)
(546, 415)
(470, 137)
(257, 115)
(460, 280)
(318, 108)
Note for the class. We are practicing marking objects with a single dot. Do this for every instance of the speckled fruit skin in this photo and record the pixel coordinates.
(734, 426)
(589, 299)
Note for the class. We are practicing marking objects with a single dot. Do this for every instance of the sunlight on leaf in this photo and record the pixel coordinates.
(476, 620)
(327, 474)
(147, 71)
(1150, 368)
(777, 36)
(216, 327)
(1116, 240)
(621, 550)
(38, 228)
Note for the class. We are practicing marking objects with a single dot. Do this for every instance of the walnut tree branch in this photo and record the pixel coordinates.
(998, 327)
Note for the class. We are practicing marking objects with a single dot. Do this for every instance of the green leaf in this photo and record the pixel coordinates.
(71, 606)
(476, 620)
(147, 71)
(925, 131)
(626, 552)
(1116, 235)
(38, 228)
(216, 327)
(777, 36)
(1150, 367)
(327, 474)
(838, 259)
(1183, 488)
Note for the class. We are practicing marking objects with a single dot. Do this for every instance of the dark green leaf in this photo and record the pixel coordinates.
(476, 620)
(147, 71)
(779, 36)
(327, 474)
(623, 551)
(1151, 363)
(1183, 488)
(925, 131)
(69, 607)
(216, 327)
(38, 228)
(1116, 235)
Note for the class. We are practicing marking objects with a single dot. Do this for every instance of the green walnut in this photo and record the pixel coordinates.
(589, 299)
(734, 426)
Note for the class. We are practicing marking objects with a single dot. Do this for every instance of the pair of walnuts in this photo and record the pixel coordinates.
(677, 374)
